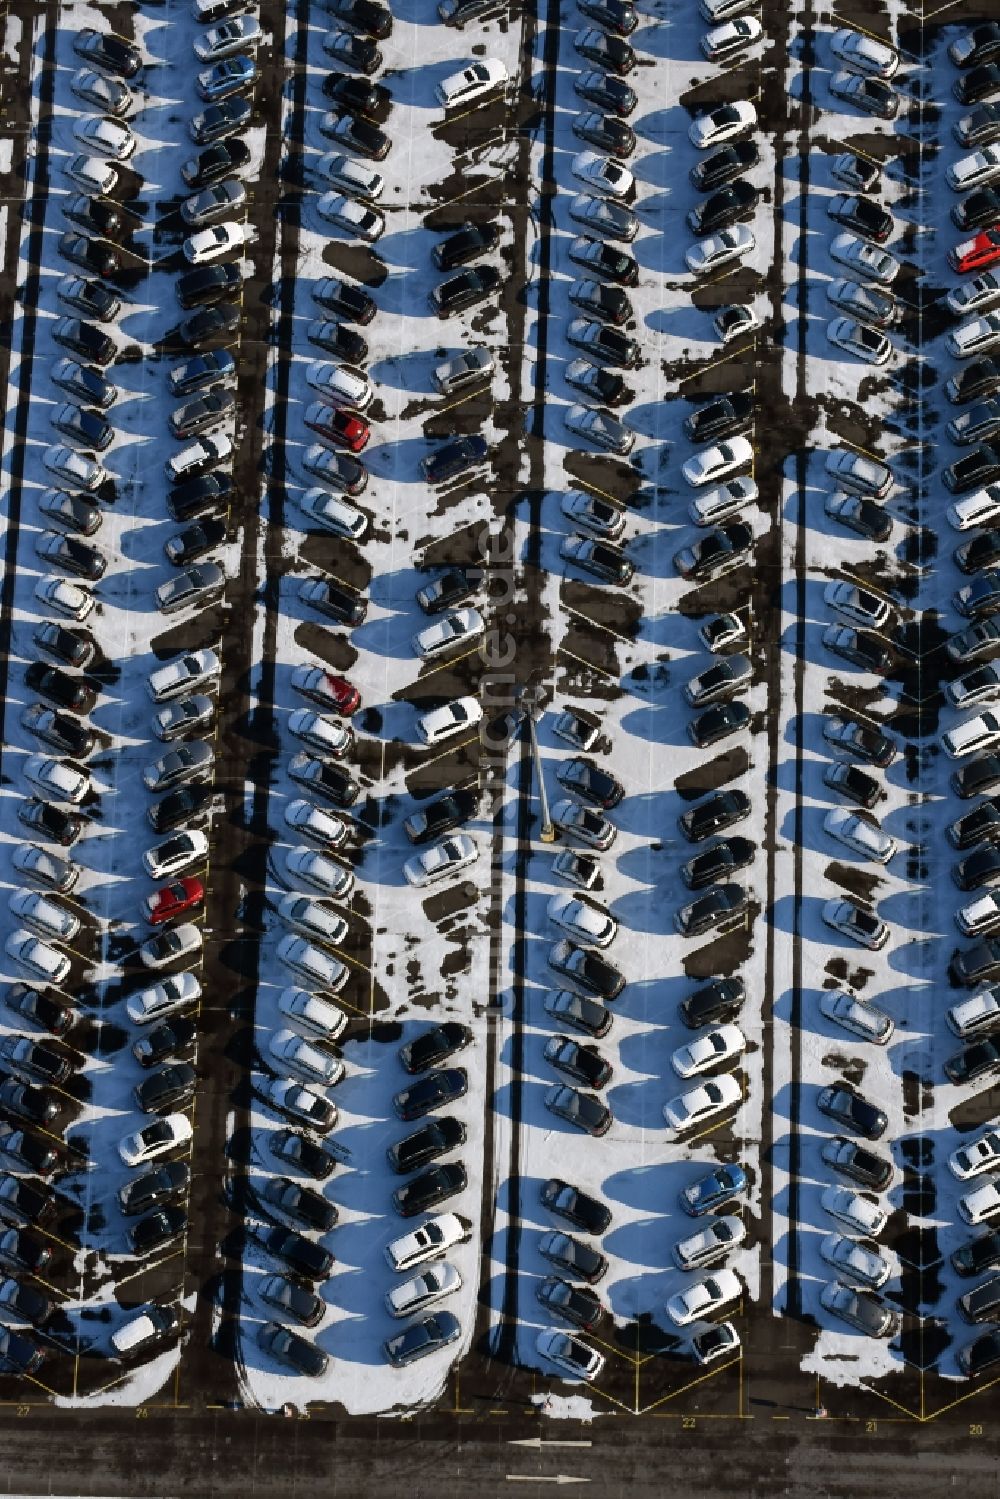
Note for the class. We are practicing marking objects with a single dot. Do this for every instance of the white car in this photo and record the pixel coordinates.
(982, 1205)
(867, 260)
(585, 824)
(359, 220)
(453, 853)
(695, 1107)
(972, 736)
(975, 336)
(864, 54)
(704, 1298)
(102, 136)
(975, 1016)
(599, 427)
(857, 338)
(855, 1259)
(158, 1138)
(328, 737)
(304, 1061)
(353, 178)
(175, 853)
(241, 34)
(313, 822)
(37, 958)
(333, 513)
(977, 295)
(717, 250)
(444, 723)
(431, 1239)
(602, 174)
(735, 321)
(316, 1016)
(312, 965)
(860, 605)
(195, 669)
(725, 123)
(858, 1016)
(585, 922)
(858, 474)
(979, 1155)
(455, 629)
(711, 1243)
(597, 516)
(43, 915)
(210, 244)
(91, 174)
(974, 170)
(981, 916)
(313, 920)
(715, 1048)
(711, 465)
(978, 686)
(856, 923)
(44, 868)
(576, 1359)
(731, 38)
(423, 1290)
(862, 837)
(861, 1212)
(471, 83)
(182, 941)
(71, 600)
(342, 386)
(56, 780)
(178, 992)
(74, 470)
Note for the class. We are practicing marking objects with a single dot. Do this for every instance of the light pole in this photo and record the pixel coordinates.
(530, 698)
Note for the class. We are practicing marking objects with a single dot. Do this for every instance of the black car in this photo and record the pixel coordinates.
(196, 541)
(424, 1145)
(309, 1208)
(441, 816)
(977, 964)
(337, 602)
(24, 1101)
(722, 165)
(870, 95)
(982, 1354)
(848, 1108)
(722, 417)
(977, 776)
(862, 216)
(94, 216)
(606, 132)
(363, 15)
(345, 301)
(861, 649)
(982, 378)
(979, 553)
(72, 555)
(726, 206)
(859, 741)
(292, 1300)
(602, 344)
(355, 94)
(84, 427)
(60, 731)
(980, 210)
(359, 53)
(178, 807)
(434, 1046)
(584, 778)
(977, 83)
(74, 512)
(718, 862)
(425, 1191)
(169, 1088)
(722, 549)
(605, 260)
(207, 283)
(334, 784)
(84, 341)
(617, 16)
(575, 1304)
(359, 136)
(578, 1013)
(576, 1259)
(89, 298)
(600, 384)
(46, 1008)
(981, 868)
(302, 1153)
(714, 1003)
(154, 1187)
(199, 497)
(108, 52)
(981, 466)
(292, 1350)
(609, 303)
(719, 812)
(583, 1064)
(978, 1254)
(37, 1061)
(302, 1255)
(608, 93)
(215, 163)
(24, 1303)
(583, 1211)
(973, 1062)
(982, 128)
(202, 413)
(588, 969)
(853, 784)
(607, 51)
(222, 320)
(158, 1229)
(20, 1250)
(50, 822)
(469, 242)
(343, 343)
(865, 1167)
(92, 255)
(22, 1202)
(170, 1038)
(443, 1086)
(978, 46)
(470, 286)
(455, 458)
(18, 1354)
(718, 722)
(977, 826)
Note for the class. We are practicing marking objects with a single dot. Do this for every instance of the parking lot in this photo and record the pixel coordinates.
(346, 1069)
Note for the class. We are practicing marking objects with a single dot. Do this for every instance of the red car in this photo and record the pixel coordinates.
(977, 253)
(340, 427)
(174, 900)
(327, 690)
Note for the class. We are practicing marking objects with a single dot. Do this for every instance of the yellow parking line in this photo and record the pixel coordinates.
(353, 962)
(596, 489)
(863, 451)
(590, 665)
(462, 401)
(597, 625)
(448, 662)
(124, 1280)
(714, 363)
(452, 748)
